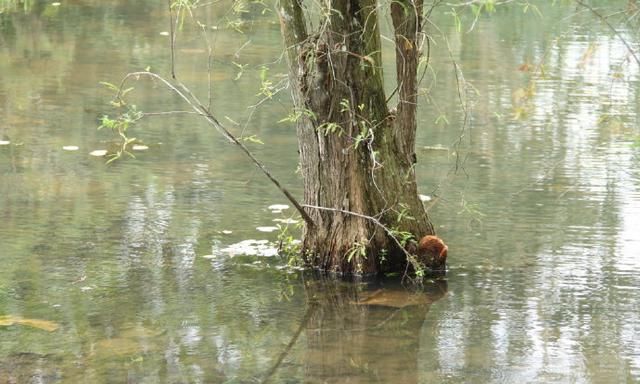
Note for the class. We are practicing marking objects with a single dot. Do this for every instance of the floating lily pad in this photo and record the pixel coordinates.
(70, 148)
(98, 152)
(45, 325)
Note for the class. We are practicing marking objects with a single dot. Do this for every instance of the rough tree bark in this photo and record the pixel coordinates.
(356, 154)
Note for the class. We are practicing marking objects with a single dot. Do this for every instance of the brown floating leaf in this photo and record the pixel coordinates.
(396, 298)
(45, 325)
(525, 67)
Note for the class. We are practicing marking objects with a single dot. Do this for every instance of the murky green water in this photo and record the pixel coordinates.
(541, 211)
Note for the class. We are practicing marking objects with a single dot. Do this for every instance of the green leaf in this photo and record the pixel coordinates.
(253, 139)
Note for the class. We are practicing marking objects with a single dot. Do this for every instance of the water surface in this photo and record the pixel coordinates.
(534, 184)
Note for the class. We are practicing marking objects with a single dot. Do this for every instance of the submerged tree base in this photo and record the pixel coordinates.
(357, 155)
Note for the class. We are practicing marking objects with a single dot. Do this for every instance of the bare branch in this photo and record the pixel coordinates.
(186, 95)
(303, 324)
(172, 41)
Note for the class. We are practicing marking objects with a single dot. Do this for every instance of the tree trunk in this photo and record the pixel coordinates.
(356, 154)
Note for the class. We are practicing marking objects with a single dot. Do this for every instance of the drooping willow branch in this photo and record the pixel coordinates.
(205, 111)
(185, 94)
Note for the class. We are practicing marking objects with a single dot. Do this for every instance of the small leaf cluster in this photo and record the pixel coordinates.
(121, 125)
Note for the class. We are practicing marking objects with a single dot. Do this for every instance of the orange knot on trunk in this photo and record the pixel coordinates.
(432, 248)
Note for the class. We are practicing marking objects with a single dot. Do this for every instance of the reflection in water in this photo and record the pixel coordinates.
(355, 335)
(542, 220)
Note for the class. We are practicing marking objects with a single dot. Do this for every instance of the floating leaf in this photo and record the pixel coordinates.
(98, 152)
(70, 148)
(278, 207)
(252, 247)
(286, 221)
(525, 67)
(45, 325)
(435, 148)
(267, 229)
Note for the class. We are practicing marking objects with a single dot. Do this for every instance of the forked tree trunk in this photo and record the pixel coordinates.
(356, 154)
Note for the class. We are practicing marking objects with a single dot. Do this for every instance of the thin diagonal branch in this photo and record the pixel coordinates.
(303, 324)
(185, 94)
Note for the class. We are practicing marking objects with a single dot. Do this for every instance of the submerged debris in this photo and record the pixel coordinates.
(399, 298)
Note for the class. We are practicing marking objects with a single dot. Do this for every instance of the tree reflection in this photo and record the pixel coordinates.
(361, 333)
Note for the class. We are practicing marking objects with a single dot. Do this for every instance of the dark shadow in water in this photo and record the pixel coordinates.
(356, 333)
